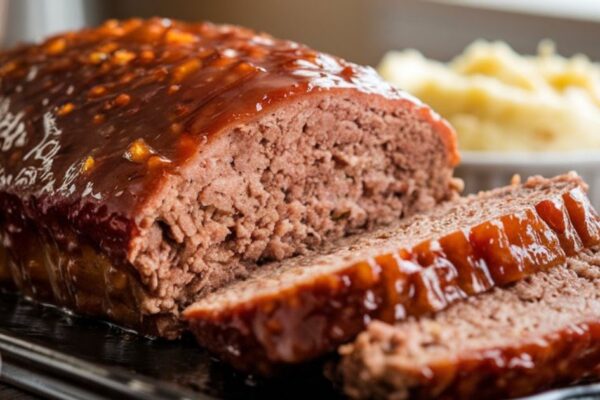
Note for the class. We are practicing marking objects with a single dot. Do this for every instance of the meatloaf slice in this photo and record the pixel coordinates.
(541, 332)
(145, 163)
(301, 308)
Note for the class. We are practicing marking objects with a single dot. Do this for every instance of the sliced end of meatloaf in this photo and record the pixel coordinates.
(162, 159)
(313, 170)
(303, 307)
(540, 332)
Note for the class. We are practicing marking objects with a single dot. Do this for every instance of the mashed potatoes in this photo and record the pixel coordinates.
(499, 100)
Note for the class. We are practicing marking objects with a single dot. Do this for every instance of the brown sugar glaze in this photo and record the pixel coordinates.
(145, 96)
(68, 273)
(559, 358)
(312, 318)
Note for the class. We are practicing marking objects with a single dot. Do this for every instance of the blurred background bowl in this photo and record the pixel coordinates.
(486, 170)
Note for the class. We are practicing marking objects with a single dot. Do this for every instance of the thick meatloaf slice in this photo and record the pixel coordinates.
(541, 332)
(304, 307)
(145, 163)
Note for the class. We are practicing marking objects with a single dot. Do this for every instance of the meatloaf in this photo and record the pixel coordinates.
(145, 163)
(299, 309)
(541, 332)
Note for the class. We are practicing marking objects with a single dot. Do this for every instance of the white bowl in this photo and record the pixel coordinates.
(487, 170)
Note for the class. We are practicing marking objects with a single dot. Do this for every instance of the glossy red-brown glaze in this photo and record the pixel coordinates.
(554, 213)
(584, 216)
(91, 122)
(559, 358)
(311, 318)
(71, 273)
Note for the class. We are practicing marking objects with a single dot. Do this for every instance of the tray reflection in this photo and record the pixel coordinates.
(181, 362)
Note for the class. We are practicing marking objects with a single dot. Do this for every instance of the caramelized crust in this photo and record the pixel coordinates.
(310, 317)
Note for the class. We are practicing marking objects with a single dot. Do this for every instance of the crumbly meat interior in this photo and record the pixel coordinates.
(448, 217)
(300, 176)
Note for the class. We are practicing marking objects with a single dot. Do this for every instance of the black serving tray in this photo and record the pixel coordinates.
(51, 353)
(58, 355)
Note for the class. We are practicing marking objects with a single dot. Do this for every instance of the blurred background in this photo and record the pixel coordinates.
(359, 30)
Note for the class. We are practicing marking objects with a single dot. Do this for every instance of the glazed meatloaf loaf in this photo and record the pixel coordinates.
(145, 163)
(304, 307)
(541, 332)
